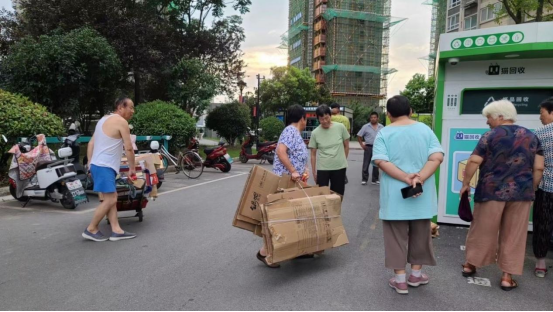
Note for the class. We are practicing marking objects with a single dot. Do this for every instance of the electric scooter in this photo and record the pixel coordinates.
(216, 158)
(265, 150)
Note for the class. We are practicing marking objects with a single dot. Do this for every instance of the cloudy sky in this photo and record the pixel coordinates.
(268, 20)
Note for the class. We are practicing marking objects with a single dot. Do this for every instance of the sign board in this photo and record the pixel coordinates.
(526, 100)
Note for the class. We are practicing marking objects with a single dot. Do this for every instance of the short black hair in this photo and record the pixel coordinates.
(335, 105)
(398, 106)
(295, 113)
(322, 110)
(121, 101)
(547, 104)
(374, 114)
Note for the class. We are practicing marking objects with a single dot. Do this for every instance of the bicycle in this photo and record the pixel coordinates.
(190, 163)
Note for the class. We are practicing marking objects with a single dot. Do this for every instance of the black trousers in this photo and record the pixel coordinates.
(542, 223)
(366, 163)
(337, 179)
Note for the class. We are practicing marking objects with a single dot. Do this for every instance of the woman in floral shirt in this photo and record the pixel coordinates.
(291, 156)
(511, 165)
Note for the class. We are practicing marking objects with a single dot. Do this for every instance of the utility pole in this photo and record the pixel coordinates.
(257, 108)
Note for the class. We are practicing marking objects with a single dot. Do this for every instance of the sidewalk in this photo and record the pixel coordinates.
(354, 145)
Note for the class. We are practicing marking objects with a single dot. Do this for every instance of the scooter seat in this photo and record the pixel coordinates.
(267, 143)
(44, 164)
(208, 151)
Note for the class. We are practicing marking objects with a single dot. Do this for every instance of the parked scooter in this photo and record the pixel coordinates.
(71, 141)
(265, 150)
(34, 175)
(154, 149)
(216, 158)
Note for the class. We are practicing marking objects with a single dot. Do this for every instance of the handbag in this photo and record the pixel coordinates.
(465, 213)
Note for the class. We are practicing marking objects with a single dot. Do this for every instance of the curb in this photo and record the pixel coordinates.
(4, 191)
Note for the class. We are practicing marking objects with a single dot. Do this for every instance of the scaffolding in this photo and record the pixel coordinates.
(347, 42)
(437, 27)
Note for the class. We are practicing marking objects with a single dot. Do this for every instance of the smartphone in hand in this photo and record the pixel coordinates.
(411, 191)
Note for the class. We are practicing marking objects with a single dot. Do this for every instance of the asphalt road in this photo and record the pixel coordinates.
(188, 257)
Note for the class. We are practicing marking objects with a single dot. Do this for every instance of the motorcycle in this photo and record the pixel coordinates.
(216, 158)
(71, 141)
(35, 175)
(265, 150)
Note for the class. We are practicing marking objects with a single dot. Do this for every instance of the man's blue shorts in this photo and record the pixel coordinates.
(104, 179)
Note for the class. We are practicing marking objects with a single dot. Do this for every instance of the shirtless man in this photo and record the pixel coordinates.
(105, 150)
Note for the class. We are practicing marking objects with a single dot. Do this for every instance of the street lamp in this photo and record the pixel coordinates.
(241, 86)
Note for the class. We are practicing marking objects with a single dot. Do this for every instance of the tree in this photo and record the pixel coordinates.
(162, 118)
(420, 92)
(288, 86)
(231, 121)
(272, 128)
(73, 75)
(150, 36)
(523, 10)
(192, 87)
(21, 117)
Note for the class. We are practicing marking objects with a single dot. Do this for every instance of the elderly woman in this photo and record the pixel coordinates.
(291, 156)
(407, 152)
(511, 165)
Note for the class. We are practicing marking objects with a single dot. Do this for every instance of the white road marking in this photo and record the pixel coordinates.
(480, 281)
(463, 247)
(200, 184)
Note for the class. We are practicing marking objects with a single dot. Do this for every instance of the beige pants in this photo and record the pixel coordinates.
(407, 242)
(498, 233)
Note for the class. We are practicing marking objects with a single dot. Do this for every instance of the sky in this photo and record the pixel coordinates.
(268, 20)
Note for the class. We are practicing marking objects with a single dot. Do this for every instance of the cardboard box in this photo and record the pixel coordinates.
(297, 226)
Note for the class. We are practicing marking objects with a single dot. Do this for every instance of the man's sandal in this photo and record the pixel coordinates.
(513, 283)
(264, 260)
(468, 270)
(539, 272)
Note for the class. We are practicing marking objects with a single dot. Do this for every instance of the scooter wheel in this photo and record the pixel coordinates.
(243, 159)
(13, 194)
(67, 200)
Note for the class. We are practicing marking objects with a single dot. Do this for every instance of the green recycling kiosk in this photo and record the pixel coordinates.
(475, 68)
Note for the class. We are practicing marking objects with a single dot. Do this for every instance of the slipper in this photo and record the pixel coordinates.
(514, 285)
(539, 272)
(264, 260)
(470, 267)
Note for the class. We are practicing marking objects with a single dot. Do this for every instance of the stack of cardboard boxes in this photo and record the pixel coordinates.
(293, 219)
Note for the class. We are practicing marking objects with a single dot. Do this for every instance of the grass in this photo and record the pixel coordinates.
(233, 151)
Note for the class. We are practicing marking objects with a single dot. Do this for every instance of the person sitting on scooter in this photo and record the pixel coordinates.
(291, 156)
(104, 151)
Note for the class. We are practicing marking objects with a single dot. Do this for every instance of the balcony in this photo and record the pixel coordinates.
(469, 3)
(320, 78)
(319, 52)
(319, 39)
(320, 25)
(320, 10)
(318, 65)
(318, 2)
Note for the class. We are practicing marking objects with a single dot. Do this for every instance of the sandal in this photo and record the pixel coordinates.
(513, 283)
(539, 272)
(264, 260)
(468, 270)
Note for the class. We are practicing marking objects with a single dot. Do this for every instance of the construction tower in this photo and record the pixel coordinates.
(437, 27)
(346, 45)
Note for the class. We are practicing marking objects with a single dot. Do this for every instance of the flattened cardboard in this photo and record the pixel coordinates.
(294, 227)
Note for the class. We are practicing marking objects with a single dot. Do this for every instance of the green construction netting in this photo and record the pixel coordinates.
(432, 2)
(431, 56)
(329, 14)
(358, 68)
(296, 30)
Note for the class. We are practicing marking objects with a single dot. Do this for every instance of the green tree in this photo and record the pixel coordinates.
(162, 118)
(361, 115)
(271, 128)
(74, 74)
(150, 36)
(231, 121)
(21, 117)
(288, 86)
(193, 87)
(521, 11)
(420, 92)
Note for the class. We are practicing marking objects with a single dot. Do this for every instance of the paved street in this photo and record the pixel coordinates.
(188, 257)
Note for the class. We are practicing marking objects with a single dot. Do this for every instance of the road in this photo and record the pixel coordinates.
(188, 257)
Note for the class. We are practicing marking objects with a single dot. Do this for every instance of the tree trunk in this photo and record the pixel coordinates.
(137, 97)
(539, 11)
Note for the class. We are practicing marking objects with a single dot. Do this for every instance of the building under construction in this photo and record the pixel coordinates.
(345, 43)
(437, 27)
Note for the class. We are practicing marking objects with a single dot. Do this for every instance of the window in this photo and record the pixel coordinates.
(294, 61)
(296, 44)
(471, 22)
(454, 3)
(489, 13)
(453, 22)
(359, 75)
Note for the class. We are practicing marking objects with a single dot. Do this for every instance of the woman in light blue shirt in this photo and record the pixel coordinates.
(407, 152)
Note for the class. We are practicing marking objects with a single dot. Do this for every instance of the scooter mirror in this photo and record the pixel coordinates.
(131, 127)
(4, 138)
(154, 145)
(65, 152)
